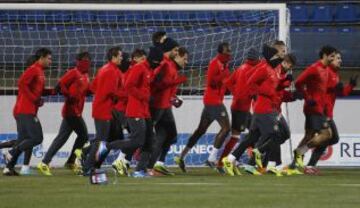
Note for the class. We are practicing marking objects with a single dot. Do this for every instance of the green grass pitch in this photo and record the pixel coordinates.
(201, 187)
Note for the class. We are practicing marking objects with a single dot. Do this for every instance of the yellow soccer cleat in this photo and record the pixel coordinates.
(228, 166)
(78, 154)
(120, 167)
(44, 169)
(291, 171)
(237, 171)
(275, 171)
(258, 159)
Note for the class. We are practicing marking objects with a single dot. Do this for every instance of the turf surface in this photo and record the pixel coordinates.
(199, 188)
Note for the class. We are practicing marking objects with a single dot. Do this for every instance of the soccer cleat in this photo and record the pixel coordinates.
(275, 171)
(70, 166)
(228, 166)
(237, 171)
(210, 164)
(292, 171)
(162, 169)
(120, 167)
(10, 172)
(140, 174)
(299, 160)
(181, 163)
(258, 159)
(252, 170)
(101, 151)
(25, 170)
(44, 169)
(78, 154)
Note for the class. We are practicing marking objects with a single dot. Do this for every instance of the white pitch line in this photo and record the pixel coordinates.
(177, 183)
(348, 184)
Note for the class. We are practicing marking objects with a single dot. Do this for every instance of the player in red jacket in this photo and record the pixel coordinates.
(137, 112)
(313, 83)
(74, 85)
(241, 102)
(335, 88)
(122, 162)
(181, 61)
(272, 158)
(214, 108)
(105, 87)
(262, 83)
(31, 87)
(163, 89)
(25, 168)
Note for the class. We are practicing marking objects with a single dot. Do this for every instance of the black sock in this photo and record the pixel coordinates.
(316, 155)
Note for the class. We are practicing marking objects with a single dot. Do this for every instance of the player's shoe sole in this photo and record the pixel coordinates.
(162, 169)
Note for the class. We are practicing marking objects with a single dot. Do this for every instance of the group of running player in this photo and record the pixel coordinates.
(136, 93)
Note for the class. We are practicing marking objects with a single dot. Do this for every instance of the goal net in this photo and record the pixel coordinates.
(68, 28)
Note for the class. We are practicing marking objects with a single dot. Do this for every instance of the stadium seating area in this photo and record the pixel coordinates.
(312, 25)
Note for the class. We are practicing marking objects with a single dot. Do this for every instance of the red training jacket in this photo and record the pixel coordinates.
(265, 80)
(164, 85)
(105, 87)
(331, 92)
(215, 88)
(137, 85)
(312, 82)
(31, 86)
(74, 86)
(237, 85)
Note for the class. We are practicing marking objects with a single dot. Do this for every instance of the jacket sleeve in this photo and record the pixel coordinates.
(66, 81)
(302, 79)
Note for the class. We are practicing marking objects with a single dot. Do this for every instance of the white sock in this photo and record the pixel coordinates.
(231, 158)
(159, 163)
(303, 149)
(121, 156)
(25, 167)
(271, 164)
(213, 154)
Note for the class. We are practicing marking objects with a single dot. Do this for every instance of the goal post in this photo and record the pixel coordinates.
(66, 28)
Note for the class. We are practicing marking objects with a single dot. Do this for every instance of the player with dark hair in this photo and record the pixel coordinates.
(262, 83)
(241, 102)
(158, 38)
(25, 168)
(31, 87)
(335, 88)
(122, 163)
(313, 83)
(272, 160)
(137, 112)
(163, 90)
(214, 108)
(105, 88)
(74, 85)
